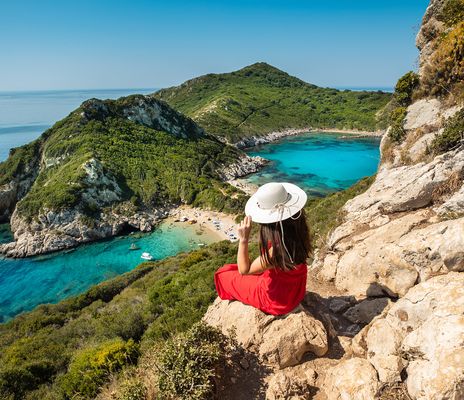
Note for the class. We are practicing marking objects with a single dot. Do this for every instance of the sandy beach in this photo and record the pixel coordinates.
(216, 223)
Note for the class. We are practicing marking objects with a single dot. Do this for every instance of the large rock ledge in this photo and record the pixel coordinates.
(420, 337)
(407, 227)
(280, 341)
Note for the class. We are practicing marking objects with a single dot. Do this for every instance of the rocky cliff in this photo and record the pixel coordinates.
(113, 166)
(387, 283)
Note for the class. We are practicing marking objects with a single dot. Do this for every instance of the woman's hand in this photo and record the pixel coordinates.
(244, 229)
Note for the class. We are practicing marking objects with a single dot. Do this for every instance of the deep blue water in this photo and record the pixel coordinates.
(26, 283)
(25, 115)
(322, 163)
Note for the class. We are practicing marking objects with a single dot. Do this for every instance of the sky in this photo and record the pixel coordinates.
(90, 44)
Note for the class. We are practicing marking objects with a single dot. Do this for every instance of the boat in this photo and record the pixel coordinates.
(146, 256)
(201, 244)
(133, 246)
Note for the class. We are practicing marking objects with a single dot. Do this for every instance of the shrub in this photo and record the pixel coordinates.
(397, 118)
(91, 367)
(452, 135)
(132, 389)
(452, 12)
(191, 362)
(446, 67)
(404, 88)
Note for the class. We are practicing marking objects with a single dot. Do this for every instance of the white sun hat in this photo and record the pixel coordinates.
(274, 202)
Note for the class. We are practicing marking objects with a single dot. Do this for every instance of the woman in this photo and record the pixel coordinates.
(275, 282)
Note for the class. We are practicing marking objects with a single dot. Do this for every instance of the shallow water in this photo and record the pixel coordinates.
(321, 163)
(25, 283)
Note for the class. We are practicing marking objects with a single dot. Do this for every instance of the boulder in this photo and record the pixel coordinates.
(295, 383)
(366, 310)
(423, 333)
(351, 379)
(281, 341)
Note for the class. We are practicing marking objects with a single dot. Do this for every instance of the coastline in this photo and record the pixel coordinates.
(205, 221)
(270, 137)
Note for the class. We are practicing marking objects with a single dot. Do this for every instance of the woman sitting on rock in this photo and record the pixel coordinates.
(275, 282)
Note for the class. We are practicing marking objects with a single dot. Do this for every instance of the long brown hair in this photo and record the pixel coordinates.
(297, 241)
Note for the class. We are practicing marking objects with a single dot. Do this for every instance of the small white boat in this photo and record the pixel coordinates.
(201, 244)
(146, 256)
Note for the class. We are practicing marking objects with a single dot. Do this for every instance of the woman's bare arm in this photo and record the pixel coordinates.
(243, 259)
(258, 266)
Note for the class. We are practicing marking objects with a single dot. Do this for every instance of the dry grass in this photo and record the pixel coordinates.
(394, 391)
(451, 185)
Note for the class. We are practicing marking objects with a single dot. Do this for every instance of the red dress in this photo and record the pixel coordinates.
(274, 291)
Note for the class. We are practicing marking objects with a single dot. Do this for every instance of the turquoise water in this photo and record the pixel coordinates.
(321, 163)
(26, 283)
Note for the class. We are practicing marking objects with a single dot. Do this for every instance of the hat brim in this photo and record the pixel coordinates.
(262, 216)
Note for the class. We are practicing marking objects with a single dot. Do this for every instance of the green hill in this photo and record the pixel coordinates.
(259, 99)
(105, 163)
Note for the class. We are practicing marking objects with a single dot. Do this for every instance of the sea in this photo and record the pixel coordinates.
(322, 163)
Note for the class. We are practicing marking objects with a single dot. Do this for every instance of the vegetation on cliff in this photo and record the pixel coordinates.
(111, 151)
(103, 331)
(259, 99)
(442, 74)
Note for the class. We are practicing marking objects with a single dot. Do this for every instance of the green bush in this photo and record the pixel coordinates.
(191, 362)
(132, 389)
(405, 87)
(91, 367)
(397, 118)
(452, 136)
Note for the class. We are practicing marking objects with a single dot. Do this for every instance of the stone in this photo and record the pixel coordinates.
(366, 310)
(452, 206)
(422, 113)
(280, 341)
(351, 379)
(423, 333)
(339, 304)
(291, 383)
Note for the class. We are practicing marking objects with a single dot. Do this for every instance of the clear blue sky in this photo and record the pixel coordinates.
(148, 43)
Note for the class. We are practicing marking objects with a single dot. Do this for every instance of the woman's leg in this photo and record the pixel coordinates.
(231, 285)
(222, 279)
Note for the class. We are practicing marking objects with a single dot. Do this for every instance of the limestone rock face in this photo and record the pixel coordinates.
(280, 341)
(354, 378)
(391, 237)
(56, 230)
(423, 333)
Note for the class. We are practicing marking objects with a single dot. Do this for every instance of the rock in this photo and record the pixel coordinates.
(366, 310)
(244, 166)
(329, 269)
(7, 200)
(280, 341)
(339, 304)
(57, 230)
(252, 141)
(351, 379)
(452, 206)
(294, 383)
(423, 333)
(425, 112)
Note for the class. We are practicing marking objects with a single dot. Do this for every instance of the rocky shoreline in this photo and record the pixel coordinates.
(253, 141)
(54, 231)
